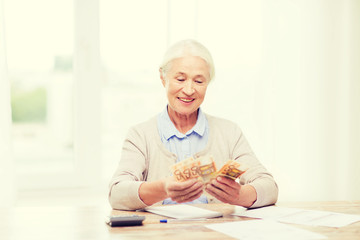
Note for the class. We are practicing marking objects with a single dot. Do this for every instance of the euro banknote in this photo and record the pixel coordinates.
(204, 169)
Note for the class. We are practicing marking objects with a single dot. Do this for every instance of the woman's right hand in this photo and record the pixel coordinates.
(183, 191)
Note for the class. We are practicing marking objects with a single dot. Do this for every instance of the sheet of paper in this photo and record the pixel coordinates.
(321, 218)
(183, 211)
(271, 212)
(262, 229)
(300, 216)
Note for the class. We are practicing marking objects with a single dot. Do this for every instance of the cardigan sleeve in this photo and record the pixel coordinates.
(130, 173)
(256, 175)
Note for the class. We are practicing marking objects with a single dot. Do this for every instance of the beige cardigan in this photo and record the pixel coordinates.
(145, 158)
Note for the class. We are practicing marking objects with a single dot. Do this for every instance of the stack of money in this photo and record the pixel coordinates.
(231, 169)
(204, 169)
(207, 168)
(186, 169)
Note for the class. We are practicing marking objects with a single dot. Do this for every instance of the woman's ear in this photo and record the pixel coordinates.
(162, 77)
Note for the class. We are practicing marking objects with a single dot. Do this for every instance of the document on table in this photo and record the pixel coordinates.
(183, 211)
(300, 216)
(262, 229)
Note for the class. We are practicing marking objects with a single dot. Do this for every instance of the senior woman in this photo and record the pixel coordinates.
(181, 130)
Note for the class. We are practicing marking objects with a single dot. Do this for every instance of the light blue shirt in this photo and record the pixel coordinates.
(183, 145)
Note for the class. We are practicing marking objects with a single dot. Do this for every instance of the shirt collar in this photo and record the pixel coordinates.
(169, 130)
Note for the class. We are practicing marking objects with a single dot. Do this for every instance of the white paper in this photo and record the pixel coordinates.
(262, 230)
(271, 212)
(183, 211)
(321, 218)
(300, 216)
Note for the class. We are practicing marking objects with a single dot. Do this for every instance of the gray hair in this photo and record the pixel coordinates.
(185, 48)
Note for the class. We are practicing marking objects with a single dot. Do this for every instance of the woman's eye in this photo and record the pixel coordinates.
(180, 79)
(198, 81)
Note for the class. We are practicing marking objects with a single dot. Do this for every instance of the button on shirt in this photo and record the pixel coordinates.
(183, 145)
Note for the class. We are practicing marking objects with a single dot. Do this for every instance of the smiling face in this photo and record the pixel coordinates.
(186, 82)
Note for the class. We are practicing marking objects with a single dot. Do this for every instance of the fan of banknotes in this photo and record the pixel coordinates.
(204, 169)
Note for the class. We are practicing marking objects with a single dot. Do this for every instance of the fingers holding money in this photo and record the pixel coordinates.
(184, 191)
(224, 189)
(188, 197)
(204, 168)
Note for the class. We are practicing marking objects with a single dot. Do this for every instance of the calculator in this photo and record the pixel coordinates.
(130, 220)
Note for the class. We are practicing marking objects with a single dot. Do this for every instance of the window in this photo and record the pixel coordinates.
(40, 63)
(54, 63)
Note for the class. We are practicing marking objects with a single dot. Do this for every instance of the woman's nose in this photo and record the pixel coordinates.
(189, 87)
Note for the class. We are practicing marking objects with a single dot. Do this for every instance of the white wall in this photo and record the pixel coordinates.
(353, 75)
(310, 59)
(6, 165)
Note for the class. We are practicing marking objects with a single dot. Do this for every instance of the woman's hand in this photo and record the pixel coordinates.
(183, 191)
(229, 191)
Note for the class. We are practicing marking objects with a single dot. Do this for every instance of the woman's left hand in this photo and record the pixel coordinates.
(183, 191)
(229, 191)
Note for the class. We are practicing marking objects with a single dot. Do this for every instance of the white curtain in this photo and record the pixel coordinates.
(311, 56)
(6, 165)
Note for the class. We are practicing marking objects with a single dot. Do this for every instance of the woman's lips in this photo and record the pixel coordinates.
(186, 100)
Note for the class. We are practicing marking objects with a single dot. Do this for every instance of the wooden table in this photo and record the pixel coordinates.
(89, 223)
